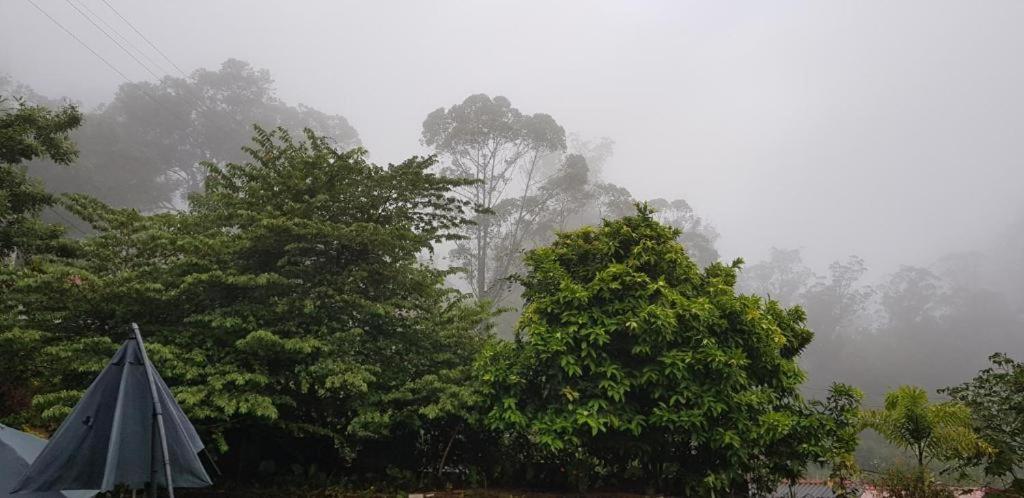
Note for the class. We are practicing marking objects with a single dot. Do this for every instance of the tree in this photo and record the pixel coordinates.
(697, 236)
(26, 132)
(503, 151)
(611, 201)
(913, 298)
(995, 398)
(834, 303)
(287, 306)
(835, 423)
(596, 152)
(145, 148)
(635, 367)
(783, 277)
(29, 132)
(933, 432)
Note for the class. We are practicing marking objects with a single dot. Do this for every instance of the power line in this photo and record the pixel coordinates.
(68, 222)
(111, 38)
(141, 89)
(79, 40)
(130, 25)
(124, 38)
(199, 100)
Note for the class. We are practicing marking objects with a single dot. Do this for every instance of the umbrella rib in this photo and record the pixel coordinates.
(158, 413)
(114, 444)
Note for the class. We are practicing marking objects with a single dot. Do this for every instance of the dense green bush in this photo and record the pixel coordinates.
(635, 368)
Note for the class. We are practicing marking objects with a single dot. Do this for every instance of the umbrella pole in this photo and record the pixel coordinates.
(158, 416)
(153, 468)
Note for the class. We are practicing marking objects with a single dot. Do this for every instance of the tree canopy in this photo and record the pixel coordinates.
(288, 301)
(502, 150)
(633, 361)
(529, 185)
(995, 398)
(146, 147)
(29, 132)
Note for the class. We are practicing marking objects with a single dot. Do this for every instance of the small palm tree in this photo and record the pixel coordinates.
(934, 432)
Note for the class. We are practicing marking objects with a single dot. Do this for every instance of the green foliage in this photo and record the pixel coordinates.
(30, 132)
(939, 432)
(996, 400)
(288, 307)
(528, 188)
(27, 132)
(636, 366)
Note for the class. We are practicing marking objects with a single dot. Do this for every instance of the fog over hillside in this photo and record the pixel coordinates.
(889, 131)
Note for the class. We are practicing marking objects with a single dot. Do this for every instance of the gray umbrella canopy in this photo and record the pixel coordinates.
(111, 436)
(17, 451)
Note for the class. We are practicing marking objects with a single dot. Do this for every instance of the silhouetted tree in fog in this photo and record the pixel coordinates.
(783, 277)
(490, 141)
(144, 148)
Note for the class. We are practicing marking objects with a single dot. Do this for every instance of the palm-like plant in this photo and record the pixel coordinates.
(934, 432)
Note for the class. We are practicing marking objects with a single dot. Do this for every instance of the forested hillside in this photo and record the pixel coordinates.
(495, 313)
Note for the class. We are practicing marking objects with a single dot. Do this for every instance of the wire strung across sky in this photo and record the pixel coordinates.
(151, 44)
(124, 38)
(140, 88)
(112, 39)
(79, 40)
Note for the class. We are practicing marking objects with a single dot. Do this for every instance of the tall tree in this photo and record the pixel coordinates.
(836, 302)
(695, 234)
(503, 151)
(783, 276)
(597, 152)
(913, 298)
(145, 148)
(634, 361)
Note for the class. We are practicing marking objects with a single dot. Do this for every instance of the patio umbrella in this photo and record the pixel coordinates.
(127, 429)
(18, 450)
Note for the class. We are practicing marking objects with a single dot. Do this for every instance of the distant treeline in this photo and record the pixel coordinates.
(932, 325)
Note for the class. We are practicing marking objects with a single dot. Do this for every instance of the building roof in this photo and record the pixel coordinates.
(806, 489)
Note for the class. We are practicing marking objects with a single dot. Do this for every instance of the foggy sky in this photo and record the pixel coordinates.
(890, 130)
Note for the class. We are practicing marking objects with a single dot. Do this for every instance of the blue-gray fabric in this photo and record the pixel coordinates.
(107, 439)
(17, 450)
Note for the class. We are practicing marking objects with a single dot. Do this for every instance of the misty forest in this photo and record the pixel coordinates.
(732, 251)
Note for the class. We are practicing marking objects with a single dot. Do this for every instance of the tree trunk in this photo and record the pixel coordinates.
(481, 259)
(444, 457)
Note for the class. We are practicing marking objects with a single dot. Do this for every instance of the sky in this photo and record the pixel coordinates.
(893, 130)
